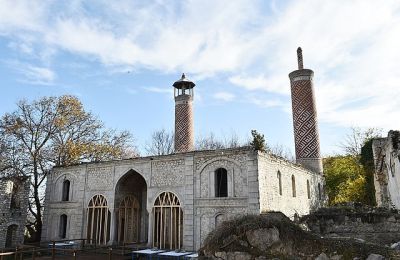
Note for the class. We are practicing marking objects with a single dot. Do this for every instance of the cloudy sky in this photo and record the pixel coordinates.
(121, 58)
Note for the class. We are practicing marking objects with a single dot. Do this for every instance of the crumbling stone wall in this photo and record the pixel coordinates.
(14, 192)
(375, 225)
(387, 170)
(277, 195)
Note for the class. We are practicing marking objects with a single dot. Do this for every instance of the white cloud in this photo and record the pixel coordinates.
(351, 45)
(261, 82)
(159, 90)
(33, 74)
(224, 96)
(267, 103)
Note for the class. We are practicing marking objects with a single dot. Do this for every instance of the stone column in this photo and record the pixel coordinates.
(113, 227)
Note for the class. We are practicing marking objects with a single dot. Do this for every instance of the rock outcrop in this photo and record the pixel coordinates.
(273, 235)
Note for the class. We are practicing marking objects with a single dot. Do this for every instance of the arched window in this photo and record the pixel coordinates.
(63, 226)
(167, 222)
(279, 175)
(293, 186)
(98, 219)
(308, 190)
(219, 219)
(11, 236)
(221, 183)
(128, 220)
(319, 191)
(65, 190)
(14, 203)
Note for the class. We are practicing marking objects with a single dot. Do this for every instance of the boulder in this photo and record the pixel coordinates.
(375, 257)
(263, 238)
(322, 256)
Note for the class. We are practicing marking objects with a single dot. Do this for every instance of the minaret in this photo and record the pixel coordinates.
(184, 132)
(305, 123)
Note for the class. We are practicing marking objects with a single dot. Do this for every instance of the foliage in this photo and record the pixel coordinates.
(367, 162)
(349, 177)
(54, 131)
(344, 179)
(258, 142)
(162, 142)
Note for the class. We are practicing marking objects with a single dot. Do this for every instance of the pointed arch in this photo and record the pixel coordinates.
(130, 200)
(167, 222)
(98, 220)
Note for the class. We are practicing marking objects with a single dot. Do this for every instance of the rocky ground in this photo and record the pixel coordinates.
(274, 236)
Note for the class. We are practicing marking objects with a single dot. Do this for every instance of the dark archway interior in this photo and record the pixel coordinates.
(11, 236)
(132, 221)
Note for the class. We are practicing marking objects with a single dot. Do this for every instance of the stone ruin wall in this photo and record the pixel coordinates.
(377, 226)
(270, 197)
(13, 216)
(386, 153)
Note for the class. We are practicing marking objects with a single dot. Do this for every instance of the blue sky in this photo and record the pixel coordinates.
(121, 58)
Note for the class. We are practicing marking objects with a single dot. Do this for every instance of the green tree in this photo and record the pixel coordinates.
(349, 177)
(258, 142)
(367, 162)
(344, 179)
(54, 131)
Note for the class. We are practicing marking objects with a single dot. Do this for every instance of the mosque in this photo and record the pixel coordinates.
(173, 201)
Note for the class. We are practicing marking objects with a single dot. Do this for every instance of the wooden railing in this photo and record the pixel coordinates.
(50, 249)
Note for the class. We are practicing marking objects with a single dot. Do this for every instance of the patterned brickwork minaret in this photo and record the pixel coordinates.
(305, 123)
(184, 130)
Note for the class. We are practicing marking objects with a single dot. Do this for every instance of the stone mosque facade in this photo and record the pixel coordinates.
(173, 201)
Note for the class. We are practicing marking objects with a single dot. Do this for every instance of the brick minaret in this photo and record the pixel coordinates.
(184, 134)
(305, 123)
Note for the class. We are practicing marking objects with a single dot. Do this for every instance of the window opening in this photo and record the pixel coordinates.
(221, 183)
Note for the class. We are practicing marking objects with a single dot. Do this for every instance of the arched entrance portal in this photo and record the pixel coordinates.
(11, 236)
(167, 222)
(130, 209)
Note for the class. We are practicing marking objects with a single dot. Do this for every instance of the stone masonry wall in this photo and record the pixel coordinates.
(242, 171)
(376, 226)
(13, 216)
(191, 177)
(187, 175)
(387, 170)
(270, 197)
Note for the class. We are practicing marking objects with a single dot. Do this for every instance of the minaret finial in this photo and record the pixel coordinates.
(300, 58)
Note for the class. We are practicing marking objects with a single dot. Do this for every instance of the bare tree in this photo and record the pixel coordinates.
(353, 142)
(162, 142)
(48, 132)
(209, 142)
(282, 151)
(232, 141)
